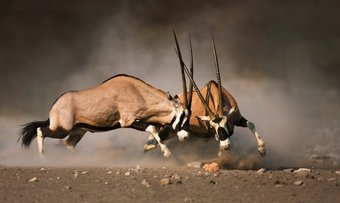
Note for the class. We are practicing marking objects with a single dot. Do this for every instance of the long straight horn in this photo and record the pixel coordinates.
(211, 115)
(191, 73)
(220, 104)
(178, 50)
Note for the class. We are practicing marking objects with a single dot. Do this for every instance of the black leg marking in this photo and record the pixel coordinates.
(59, 133)
(243, 122)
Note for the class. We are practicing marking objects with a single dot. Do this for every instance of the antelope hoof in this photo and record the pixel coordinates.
(148, 147)
(262, 150)
(167, 153)
(182, 135)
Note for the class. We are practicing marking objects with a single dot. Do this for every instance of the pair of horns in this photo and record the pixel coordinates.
(193, 84)
(187, 102)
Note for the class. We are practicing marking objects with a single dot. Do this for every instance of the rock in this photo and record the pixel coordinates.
(106, 183)
(195, 164)
(165, 181)
(138, 168)
(68, 187)
(331, 179)
(109, 172)
(127, 173)
(211, 182)
(84, 172)
(42, 169)
(288, 170)
(278, 185)
(212, 167)
(302, 173)
(261, 171)
(34, 179)
(337, 172)
(298, 183)
(187, 199)
(146, 183)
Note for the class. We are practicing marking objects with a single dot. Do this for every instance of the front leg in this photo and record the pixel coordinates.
(261, 147)
(155, 133)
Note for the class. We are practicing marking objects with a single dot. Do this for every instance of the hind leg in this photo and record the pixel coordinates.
(74, 138)
(46, 132)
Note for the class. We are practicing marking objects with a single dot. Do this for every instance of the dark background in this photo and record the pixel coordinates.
(280, 59)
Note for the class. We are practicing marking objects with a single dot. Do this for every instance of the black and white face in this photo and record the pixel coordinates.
(220, 125)
(182, 115)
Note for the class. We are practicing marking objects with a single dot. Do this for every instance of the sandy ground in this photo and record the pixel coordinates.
(186, 185)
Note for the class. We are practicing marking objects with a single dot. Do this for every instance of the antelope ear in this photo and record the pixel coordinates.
(203, 118)
(231, 110)
(169, 96)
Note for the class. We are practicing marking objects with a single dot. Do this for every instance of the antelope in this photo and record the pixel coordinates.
(122, 101)
(216, 114)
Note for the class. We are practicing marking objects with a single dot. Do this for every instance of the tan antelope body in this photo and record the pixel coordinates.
(122, 101)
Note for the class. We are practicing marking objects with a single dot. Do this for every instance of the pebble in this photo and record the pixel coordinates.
(187, 199)
(331, 179)
(68, 187)
(106, 183)
(288, 170)
(34, 179)
(109, 172)
(302, 172)
(42, 169)
(212, 167)
(337, 172)
(84, 172)
(165, 181)
(278, 185)
(195, 164)
(127, 173)
(261, 171)
(146, 183)
(298, 183)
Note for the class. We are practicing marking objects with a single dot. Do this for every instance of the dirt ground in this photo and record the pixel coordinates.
(183, 184)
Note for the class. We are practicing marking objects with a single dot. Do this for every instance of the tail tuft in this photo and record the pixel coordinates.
(29, 131)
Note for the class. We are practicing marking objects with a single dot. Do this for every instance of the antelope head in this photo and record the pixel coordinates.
(218, 120)
(187, 97)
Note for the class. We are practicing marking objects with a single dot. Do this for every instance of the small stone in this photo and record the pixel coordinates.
(211, 182)
(58, 178)
(187, 199)
(118, 172)
(42, 169)
(146, 183)
(302, 172)
(34, 179)
(109, 172)
(216, 174)
(68, 187)
(261, 171)
(212, 167)
(163, 167)
(106, 183)
(278, 185)
(288, 170)
(195, 164)
(138, 168)
(337, 172)
(127, 173)
(307, 170)
(331, 179)
(84, 172)
(298, 183)
(165, 181)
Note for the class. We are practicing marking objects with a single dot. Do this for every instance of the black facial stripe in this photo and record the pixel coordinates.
(180, 122)
(222, 134)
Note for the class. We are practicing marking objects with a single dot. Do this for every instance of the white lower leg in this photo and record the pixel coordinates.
(154, 133)
(261, 147)
(40, 140)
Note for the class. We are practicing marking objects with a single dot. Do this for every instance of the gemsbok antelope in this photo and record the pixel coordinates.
(122, 101)
(216, 114)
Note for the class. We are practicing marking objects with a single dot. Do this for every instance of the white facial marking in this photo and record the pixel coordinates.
(178, 117)
(182, 135)
(225, 144)
(231, 110)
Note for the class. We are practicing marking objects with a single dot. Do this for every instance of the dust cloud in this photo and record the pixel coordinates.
(278, 59)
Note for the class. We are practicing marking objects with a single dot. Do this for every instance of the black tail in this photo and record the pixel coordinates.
(29, 131)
